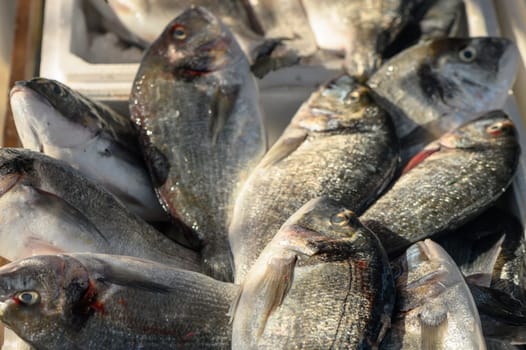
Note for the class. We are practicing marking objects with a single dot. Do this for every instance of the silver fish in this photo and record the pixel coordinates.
(47, 206)
(96, 301)
(434, 307)
(360, 29)
(322, 282)
(451, 181)
(340, 144)
(196, 104)
(435, 86)
(53, 119)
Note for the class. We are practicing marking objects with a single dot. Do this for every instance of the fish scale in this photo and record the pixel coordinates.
(335, 262)
(466, 171)
(195, 102)
(348, 153)
(117, 299)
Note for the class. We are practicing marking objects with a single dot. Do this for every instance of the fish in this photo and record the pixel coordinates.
(430, 20)
(509, 273)
(323, 281)
(361, 30)
(148, 18)
(434, 307)
(49, 207)
(449, 182)
(502, 316)
(339, 144)
(98, 301)
(435, 86)
(196, 105)
(56, 120)
(286, 20)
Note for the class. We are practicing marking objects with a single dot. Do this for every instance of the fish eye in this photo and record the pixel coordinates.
(57, 90)
(467, 54)
(28, 297)
(354, 97)
(178, 32)
(342, 218)
(495, 129)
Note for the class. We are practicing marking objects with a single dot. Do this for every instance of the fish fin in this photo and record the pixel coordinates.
(283, 148)
(479, 279)
(498, 305)
(38, 246)
(68, 212)
(275, 284)
(233, 307)
(272, 55)
(419, 158)
(121, 275)
(433, 323)
(224, 100)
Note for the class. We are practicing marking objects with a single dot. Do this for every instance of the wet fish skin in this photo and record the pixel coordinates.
(339, 144)
(435, 86)
(55, 208)
(361, 29)
(56, 120)
(196, 104)
(96, 301)
(509, 274)
(148, 18)
(434, 307)
(451, 181)
(503, 317)
(323, 281)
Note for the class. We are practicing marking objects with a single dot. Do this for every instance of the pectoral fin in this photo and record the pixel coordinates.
(283, 148)
(274, 284)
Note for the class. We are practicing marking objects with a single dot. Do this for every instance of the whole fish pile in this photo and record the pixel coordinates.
(379, 218)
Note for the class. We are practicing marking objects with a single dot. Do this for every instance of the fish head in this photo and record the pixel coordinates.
(322, 225)
(493, 129)
(47, 112)
(343, 103)
(195, 43)
(469, 74)
(39, 293)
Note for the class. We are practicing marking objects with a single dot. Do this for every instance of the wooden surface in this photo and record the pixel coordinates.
(25, 55)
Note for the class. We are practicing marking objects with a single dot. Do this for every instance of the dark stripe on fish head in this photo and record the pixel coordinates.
(492, 129)
(38, 293)
(193, 44)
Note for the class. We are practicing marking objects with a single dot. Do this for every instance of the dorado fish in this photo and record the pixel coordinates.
(104, 145)
(433, 87)
(196, 104)
(434, 307)
(47, 206)
(322, 282)
(360, 29)
(339, 144)
(148, 18)
(451, 181)
(95, 301)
